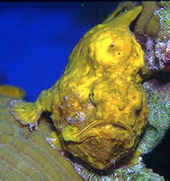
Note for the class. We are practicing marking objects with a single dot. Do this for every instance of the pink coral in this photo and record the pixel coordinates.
(167, 54)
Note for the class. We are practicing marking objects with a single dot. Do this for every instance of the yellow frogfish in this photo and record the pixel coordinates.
(98, 106)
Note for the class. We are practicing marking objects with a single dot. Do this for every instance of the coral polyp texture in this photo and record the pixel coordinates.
(162, 43)
(159, 116)
(106, 110)
(154, 34)
(99, 105)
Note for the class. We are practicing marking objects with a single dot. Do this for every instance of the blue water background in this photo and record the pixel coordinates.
(37, 38)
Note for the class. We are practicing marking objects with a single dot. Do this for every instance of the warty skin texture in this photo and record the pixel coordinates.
(98, 106)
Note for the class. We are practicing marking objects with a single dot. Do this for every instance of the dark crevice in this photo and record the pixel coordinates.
(162, 77)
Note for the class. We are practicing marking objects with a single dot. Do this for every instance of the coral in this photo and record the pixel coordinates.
(161, 52)
(12, 91)
(99, 105)
(167, 54)
(162, 43)
(159, 117)
(164, 15)
(155, 45)
(27, 156)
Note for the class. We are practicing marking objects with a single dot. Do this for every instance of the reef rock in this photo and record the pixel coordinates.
(28, 156)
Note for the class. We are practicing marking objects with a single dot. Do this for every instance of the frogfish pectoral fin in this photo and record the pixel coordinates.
(25, 113)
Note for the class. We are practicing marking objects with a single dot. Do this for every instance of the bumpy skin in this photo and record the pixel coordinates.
(99, 105)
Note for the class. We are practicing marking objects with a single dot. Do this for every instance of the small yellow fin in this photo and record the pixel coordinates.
(25, 113)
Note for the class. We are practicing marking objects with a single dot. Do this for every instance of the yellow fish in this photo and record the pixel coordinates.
(98, 106)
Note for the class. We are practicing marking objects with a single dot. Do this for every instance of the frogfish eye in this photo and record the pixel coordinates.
(76, 118)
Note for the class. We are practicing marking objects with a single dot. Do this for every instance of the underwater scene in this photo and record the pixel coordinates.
(85, 91)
